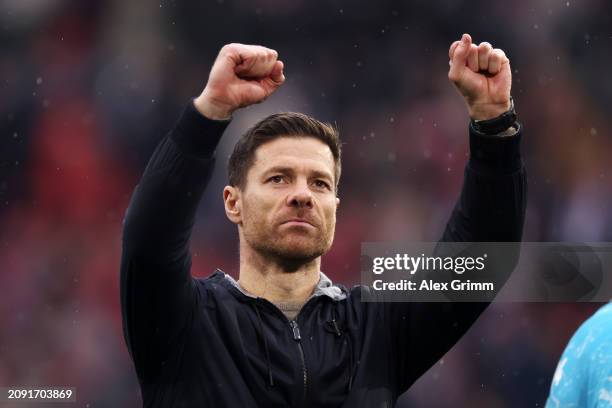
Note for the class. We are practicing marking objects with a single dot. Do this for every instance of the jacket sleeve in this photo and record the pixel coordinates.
(157, 290)
(491, 208)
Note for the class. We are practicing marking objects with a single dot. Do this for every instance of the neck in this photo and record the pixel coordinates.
(277, 280)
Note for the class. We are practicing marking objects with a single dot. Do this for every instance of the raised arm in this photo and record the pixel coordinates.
(491, 207)
(157, 291)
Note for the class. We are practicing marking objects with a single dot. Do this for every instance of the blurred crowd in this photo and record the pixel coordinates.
(89, 88)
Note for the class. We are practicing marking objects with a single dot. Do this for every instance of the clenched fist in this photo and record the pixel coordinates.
(482, 75)
(241, 75)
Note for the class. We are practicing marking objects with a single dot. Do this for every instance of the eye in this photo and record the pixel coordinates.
(321, 184)
(276, 179)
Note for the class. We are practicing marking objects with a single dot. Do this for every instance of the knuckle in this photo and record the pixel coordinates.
(228, 48)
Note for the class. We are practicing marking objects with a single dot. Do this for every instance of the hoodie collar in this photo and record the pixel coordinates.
(325, 287)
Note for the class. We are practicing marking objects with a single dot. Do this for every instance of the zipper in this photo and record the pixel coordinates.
(295, 329)
(298, 338)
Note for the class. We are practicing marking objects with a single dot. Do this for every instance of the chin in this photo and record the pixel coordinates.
(299, 248)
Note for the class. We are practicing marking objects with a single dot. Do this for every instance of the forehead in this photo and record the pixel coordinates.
(304, 152)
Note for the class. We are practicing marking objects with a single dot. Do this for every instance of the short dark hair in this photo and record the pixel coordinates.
(286, 124)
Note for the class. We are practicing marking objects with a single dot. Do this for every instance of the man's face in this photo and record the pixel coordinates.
(288, 206)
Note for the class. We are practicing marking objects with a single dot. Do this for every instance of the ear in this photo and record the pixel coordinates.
(233, 204)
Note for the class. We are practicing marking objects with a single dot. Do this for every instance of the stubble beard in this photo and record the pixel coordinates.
(288, 248)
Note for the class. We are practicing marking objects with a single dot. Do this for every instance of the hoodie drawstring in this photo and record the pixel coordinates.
(350, 346)
(265, 342)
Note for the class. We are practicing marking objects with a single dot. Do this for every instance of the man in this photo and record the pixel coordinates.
(283, 334)
(583, 377)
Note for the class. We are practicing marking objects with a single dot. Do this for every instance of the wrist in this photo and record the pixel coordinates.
(486, 111)
(498, 125)
(211, 109)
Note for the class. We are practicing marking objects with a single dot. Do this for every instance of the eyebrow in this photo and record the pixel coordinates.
(290, 170)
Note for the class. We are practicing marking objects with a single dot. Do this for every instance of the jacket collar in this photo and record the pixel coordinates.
(325, 287)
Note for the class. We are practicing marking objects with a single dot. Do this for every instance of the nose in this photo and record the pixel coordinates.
(300, 197)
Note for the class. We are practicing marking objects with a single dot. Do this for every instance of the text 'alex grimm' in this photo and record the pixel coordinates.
(431, 286)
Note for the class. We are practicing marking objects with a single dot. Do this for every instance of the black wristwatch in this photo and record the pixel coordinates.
(497, 124)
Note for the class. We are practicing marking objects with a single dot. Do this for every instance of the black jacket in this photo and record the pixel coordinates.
(204, 343)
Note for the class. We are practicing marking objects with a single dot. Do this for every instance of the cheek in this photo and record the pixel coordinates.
(330, 212)
(332, 220)
(256, 210)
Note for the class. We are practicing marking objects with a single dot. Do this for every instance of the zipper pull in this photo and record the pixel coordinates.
(296, 330)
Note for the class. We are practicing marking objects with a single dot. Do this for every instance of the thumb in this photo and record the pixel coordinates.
(277, 74)
(459, 58)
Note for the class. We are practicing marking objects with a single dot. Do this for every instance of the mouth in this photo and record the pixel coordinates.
(298, 222)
